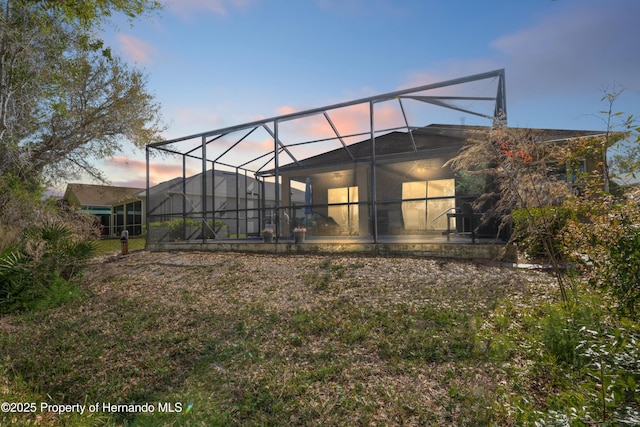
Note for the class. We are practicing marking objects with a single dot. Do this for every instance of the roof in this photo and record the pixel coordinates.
(194, 185)
(420, 143)
(97, 195)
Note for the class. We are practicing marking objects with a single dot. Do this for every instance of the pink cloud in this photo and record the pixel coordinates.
(286, 109)
(347, 121)
(133, 172)
(135, 49)
(352, 120)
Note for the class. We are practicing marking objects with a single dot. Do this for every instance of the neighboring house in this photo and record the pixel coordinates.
(243, 204)
(414, 191)
(118, 208)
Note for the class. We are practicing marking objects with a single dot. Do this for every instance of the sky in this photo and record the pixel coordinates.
(217, 63)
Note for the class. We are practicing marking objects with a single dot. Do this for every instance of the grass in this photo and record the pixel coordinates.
(113, 246)
(267, 340)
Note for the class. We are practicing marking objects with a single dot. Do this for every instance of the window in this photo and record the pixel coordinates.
(437, 209)
(425, 214)
(343, 208)
(128, 217)
(134, 218)
(118, 219)
(414, 212)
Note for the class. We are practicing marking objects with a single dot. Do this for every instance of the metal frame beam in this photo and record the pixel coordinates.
(271, 126)
(501, 103)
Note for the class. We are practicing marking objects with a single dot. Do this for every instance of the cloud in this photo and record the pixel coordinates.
(286, 109)
(557, 65)
(186, 8)
(133, 172)
(349, 120)
(135, 49)
(582, 47)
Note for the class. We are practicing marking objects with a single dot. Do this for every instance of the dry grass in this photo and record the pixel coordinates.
(275, 340)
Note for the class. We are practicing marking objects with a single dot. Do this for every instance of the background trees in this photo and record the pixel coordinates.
(603, 239)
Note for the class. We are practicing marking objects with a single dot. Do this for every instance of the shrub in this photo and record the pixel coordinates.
(532, 226)
(174, 230)
(41, 265)
(576, 365)
(606, 246)
(613, 357)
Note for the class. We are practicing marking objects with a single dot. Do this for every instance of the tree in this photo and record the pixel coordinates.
(618, 152)
(623, 136)
(523, 176)
(603, 240)
(90, 13)
(64, 99)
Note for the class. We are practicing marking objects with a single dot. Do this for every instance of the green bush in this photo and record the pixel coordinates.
(533, 226)
(578, 365)
(606, 246)
(174, 230)
(561, 325)
(41, 265)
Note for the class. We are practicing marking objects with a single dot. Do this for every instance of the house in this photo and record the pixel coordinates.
(369, 168)
(233, 205)
(106, 203)
(237, 201)
(411, 191)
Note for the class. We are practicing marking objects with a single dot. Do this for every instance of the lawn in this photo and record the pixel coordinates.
(240, 339)
(114, 246)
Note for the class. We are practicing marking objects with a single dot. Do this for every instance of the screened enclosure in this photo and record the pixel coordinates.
(366, 169)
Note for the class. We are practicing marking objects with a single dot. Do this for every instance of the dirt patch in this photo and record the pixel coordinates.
(285, 282)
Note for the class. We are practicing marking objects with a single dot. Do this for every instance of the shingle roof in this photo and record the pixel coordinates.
(97, 195)
(432, 137)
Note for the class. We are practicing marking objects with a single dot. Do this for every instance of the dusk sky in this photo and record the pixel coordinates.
(217, 63)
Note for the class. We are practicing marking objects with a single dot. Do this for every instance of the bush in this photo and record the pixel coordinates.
(174, 230)
(532, 226)
(606, 246)
(572, 363)
(613, 366)
(41, 265)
